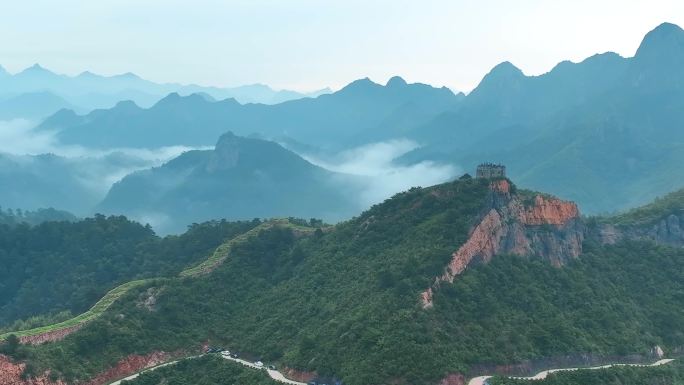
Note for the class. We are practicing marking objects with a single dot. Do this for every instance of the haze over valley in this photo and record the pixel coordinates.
(254, 193)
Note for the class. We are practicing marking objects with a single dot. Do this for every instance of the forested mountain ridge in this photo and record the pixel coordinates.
(661, 221)
(36, 92)
(345, 302)
(332, 120)
(14, 217)
(241, 178)
(54, 267)
(604, 132)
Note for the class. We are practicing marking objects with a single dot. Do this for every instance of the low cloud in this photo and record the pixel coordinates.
(96, 170)
(17, 137)
(380, 177)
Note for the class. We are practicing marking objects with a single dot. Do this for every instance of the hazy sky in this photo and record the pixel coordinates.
(310, 44)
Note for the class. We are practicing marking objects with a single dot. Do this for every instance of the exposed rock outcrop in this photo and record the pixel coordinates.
(542, 226)
(130, 365)
(669, 230)
(549, 211)
(298, 375)
(50, 336)
(453, 379)
(11, 374)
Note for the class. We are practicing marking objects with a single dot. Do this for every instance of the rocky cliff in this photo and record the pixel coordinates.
(668, 230)
(11, 374)
(519, 224)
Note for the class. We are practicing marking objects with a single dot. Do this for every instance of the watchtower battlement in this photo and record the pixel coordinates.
(491, 170)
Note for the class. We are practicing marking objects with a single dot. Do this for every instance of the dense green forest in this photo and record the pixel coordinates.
(345, 302)
(207, 370)
(54, 269)
(14, 217)
(671, 374)
(672, 203)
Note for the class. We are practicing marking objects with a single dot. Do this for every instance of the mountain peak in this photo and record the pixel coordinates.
(663, 41)
(36, 68)
(126, 105)
(502, 75)
(506, 69)
(87, 74)
(396, 81)
(170, 98)
(360, 84)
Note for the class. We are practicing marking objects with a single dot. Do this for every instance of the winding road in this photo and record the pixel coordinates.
(133, 376)
(482, 380)
(274, 374)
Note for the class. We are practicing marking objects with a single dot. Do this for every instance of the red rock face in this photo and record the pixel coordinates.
(51, 336)
(130, 365)
(501, 186)
(10, 374)
(453, 379)
(549, 211)
(484, 241)
(298, 375)
(510, 227)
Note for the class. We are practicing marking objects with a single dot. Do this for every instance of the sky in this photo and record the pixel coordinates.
(310, 44)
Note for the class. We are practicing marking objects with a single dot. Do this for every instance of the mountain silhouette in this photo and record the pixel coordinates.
(610, 122)
(241, 178)
(331, 121)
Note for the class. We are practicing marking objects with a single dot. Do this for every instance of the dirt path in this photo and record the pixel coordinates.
(482, 380)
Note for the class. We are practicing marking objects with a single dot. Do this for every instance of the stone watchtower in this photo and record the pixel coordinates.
(491, 170)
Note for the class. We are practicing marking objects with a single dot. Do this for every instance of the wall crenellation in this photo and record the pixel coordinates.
(491, 170)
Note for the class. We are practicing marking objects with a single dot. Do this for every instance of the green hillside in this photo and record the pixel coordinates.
(344, 302)
(671, 374)
(68, 266)
(672, 203)
(206, 370)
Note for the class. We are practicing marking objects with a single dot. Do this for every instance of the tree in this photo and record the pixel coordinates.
(10, 346)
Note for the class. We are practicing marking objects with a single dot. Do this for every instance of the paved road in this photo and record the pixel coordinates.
(146, 370)
(274, 374)
(482, 380)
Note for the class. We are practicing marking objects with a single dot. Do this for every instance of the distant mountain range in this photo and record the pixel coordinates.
(31, 182)
(37, 92)
(607, 132)
(241, 178)
(360, 112)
